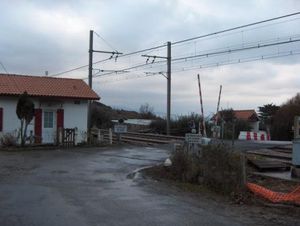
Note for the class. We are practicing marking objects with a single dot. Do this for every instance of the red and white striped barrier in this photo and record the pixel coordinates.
(247, 135)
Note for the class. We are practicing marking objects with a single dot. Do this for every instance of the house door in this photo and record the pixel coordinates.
(49, 130)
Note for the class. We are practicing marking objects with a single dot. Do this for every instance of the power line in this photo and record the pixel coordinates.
(185, 40)
(235, 28)
(126, 69)
(100, 61)
(209, 54)
(64, 72)
(241, 60)
(106, 42)
(128, 78)
(237, 49)
(244, 30)
(211, 65)
(244, 44)
(3, 67)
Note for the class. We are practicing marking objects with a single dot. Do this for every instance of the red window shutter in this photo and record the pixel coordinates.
(1, 119)
(60, 118)
(38, 125)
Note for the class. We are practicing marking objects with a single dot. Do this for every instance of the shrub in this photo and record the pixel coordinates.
(159, 126)
(185, 166)
(283, 120)
(217, 167)
(8, 140)
(222, 168)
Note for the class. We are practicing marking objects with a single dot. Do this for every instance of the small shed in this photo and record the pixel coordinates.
(250, 116)
(59, 103)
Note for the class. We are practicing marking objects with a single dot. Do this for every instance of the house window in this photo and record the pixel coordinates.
(48, 119)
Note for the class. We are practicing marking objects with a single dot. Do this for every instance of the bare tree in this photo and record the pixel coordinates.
(147, 111)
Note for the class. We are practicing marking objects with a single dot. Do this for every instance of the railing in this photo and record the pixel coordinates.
(68, 137)
(108, 136)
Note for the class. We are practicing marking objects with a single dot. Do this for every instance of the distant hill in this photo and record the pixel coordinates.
(103, 114)
(115, 113)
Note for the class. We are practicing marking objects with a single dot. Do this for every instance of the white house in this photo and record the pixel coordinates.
(59, 103)
(249, 116)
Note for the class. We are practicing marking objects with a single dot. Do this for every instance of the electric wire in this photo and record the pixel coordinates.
(235, 28)
(242, 31)
(4, 68)
(237, 49)
(106, 42)
(185, 40)
(100, 61)
(212, 65)
(209, 54)
(241, 60)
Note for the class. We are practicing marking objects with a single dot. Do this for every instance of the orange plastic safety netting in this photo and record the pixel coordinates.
(276, 197)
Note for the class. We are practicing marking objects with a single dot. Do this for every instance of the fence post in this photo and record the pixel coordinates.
(243, 169)
(110, 136)
(99, 136)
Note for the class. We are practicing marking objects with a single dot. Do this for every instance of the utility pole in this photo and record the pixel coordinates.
(216, 132)
(202, 112)
(90, 82)
(91, 51)
(168, 77)
(91, 60)
(168, 86)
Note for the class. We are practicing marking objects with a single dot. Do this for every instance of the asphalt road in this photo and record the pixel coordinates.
(96, 187)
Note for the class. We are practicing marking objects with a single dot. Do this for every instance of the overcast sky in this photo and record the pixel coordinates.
(36, 36)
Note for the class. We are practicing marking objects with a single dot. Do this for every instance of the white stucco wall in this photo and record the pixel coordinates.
(75, 116)
(11, 123)
(255, 126)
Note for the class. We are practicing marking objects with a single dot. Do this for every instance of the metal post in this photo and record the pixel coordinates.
(201, 105)
(91, 59)
(168, 86)
(90, 83)
(110, 137)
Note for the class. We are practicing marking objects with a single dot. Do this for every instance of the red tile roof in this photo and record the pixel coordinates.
(249, 115)
(11, 84)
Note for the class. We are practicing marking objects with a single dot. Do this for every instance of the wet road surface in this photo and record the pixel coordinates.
(95, 186)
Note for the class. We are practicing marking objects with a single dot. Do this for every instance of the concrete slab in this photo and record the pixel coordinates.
(278, 175)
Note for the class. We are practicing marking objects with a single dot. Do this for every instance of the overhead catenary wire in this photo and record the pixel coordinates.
(4, 68)
(184, 40)
(243, 44)
(238, 49)
(106, 42)
(101, 61)
(235, 28)
(130, 77)
(241, 60)
(209, 54)
(238, 32)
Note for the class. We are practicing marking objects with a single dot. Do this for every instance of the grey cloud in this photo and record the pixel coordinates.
(53, 35)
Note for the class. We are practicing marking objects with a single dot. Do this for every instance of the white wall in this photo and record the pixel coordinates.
(255, 126)
(75, 115)
(11, 123)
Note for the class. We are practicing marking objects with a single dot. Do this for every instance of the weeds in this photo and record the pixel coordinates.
(217, 167)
